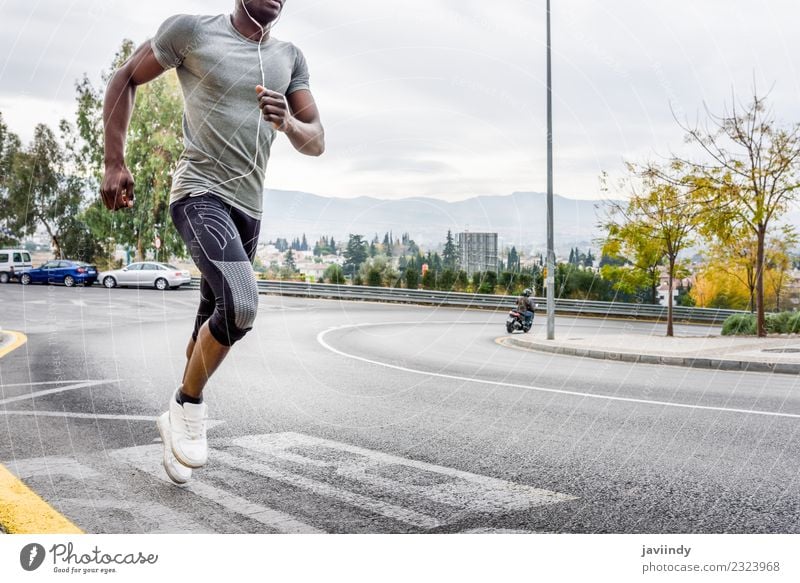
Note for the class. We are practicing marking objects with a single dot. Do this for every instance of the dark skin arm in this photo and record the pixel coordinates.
(117, 186)
(300, 122)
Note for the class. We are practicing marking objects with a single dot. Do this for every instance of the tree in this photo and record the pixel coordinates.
(447, 280)
(450, 252)
(288, 261)
(40, 191)
(377, 271)
(754, 168)
(153, 146)
(462, 281)
(779, 263)
(665, 207)
(9, 146)
(412, 278)
(631, 259)
(429, 279)
(508, 281)
(488, 283)
(355, 254)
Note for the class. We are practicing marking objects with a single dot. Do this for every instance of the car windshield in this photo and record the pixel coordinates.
(168, 266)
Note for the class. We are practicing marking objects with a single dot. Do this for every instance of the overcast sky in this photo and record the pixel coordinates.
(446, 98)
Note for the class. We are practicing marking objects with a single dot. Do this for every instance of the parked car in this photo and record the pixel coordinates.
(13, 263)
(146, 274)
(66, 271)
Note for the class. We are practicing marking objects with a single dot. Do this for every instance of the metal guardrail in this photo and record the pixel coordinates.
(487, 301)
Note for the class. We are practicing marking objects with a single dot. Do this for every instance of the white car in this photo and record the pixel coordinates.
(13, 263)
(146, 274)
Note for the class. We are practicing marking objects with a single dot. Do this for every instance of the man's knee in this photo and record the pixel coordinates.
(245, 307)
(240, 308)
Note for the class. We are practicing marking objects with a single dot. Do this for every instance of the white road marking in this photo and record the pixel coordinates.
(72, 415)
(455, 490)
(322, 489)
(210, 423)
(48, 466)
(148, 459)
(80, 303)
(322, 341)
(59, 382)
(74, 387)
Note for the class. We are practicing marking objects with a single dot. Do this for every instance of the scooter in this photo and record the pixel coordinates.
(516, 321)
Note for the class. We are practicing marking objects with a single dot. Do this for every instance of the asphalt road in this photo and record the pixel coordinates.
(362, 417)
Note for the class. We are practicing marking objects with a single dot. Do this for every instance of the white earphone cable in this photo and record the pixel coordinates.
(263, 84)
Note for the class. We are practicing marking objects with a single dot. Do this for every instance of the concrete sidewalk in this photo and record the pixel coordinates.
(775, 354)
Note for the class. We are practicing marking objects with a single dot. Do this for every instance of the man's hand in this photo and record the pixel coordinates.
(117, 188)
(274, 108)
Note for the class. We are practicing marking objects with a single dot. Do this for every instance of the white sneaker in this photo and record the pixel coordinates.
(176, 471)
(188, 425)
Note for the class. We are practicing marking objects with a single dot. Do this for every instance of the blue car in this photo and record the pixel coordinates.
(63, 271)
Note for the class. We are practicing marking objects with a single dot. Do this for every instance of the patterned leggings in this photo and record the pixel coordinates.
(222, 241)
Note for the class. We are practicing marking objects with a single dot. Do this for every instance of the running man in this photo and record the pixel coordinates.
(241, 86)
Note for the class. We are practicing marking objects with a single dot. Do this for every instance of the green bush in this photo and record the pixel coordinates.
(778, 323)
(793, 324)
(374, 278)
(739, 325)
(334, 274)
(412, 278)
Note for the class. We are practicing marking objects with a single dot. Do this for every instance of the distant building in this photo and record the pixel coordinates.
(477, 251)
(677, 285)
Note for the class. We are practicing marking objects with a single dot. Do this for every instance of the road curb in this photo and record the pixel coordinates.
(10, 341)
(22, 511)
(688, 362)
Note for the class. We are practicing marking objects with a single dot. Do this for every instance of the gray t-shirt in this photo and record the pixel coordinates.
(218, 69)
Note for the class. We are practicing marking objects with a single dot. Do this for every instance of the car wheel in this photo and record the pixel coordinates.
(109, 282)
(25, 279)
(161, 284)
(4, 277)
(69, 281)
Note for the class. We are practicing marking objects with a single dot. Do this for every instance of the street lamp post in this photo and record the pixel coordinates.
(551, 256)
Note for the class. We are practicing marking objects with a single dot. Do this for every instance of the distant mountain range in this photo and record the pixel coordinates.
(519, 219)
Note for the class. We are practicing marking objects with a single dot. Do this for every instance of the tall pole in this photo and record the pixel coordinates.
(551, 255)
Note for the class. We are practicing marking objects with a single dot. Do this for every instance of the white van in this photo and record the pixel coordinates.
(13, 263)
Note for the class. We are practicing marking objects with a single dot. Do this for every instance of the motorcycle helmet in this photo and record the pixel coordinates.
(527, 292)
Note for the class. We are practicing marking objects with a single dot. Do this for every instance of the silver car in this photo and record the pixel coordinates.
(146, 274)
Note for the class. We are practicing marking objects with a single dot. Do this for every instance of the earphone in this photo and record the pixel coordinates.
(263, 84)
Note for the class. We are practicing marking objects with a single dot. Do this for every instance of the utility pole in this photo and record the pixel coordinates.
(551, 255)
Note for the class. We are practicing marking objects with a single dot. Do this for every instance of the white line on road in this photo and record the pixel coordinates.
(322, 341)
(210, 423)
(72, 415)
(147, 459)
(455, 491)
(59, 382)
(322, 489)
(82, 385)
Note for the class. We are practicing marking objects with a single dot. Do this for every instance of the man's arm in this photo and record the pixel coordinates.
(117, 186)
(301, 122)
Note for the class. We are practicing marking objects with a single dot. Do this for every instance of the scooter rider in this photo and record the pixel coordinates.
(526, 305)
